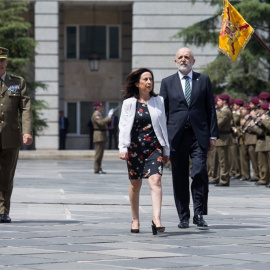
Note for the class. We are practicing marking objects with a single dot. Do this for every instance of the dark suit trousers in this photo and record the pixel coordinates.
(62, 139)
(189, 147)
(113, 136)
(8, 162)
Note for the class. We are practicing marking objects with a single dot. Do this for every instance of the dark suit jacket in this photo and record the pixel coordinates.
(201, 112)
(66, 124)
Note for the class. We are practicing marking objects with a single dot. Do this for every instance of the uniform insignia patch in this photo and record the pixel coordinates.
(97, 116)
(13, 89)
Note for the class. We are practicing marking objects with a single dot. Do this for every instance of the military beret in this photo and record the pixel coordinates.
(246, 106)
(255, 100)
(264, 95)
(264, 106)
(224, 97)
(97, 104)
(231, 101)
(239, 102)
(3, 52)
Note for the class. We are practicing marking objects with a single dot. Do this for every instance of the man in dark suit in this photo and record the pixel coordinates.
(113, 131)
(63, 129)
(192, 131)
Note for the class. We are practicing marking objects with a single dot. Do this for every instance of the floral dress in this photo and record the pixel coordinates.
(145, 154)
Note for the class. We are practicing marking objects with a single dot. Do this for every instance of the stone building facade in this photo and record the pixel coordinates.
(126, 34)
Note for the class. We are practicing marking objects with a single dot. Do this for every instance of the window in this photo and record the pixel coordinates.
(101, 39)
(71, 42)
(114, 42)
(86, 111)
(72, 117)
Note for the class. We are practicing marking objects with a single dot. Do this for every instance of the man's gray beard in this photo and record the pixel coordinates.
(184, 68)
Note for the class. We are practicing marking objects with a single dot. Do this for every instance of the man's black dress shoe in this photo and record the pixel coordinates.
(184, 223)
(221, 185)
(259, 184)
(5, 218)
(199, 221)
(100, 172)
(234, 178)
(253, 180)
(268, 186)
(244, 179)
(212, 182)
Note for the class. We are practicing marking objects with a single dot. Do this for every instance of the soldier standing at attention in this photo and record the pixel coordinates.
(224, 118)
(265, 121)
(252, 139)
(14, 98)
(259, 126)
(235, 169)
(100, 134)
(244, 141)
(212, 160)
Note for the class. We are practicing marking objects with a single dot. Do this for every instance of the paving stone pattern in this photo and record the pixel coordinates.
(66, 217)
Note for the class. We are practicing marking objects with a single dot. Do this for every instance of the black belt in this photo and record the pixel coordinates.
(100, 129)
(224, 132)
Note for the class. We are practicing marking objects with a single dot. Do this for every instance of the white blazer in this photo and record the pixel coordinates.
(157, 113)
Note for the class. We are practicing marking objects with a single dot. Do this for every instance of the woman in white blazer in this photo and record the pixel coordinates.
(143, 142)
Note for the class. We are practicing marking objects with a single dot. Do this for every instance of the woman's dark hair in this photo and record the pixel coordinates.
(130, 89)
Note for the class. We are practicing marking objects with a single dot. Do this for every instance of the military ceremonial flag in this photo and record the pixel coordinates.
(235, 32)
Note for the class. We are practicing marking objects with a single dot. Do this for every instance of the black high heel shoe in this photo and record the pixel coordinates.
(156, 229)
(134, 230)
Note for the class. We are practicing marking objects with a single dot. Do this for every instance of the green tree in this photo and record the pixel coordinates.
(15, 34)
(249, 74)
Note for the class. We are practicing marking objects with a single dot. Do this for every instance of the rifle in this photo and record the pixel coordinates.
(258, 120)
(248, 126)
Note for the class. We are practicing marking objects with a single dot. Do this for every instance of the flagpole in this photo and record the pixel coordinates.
(262, 42)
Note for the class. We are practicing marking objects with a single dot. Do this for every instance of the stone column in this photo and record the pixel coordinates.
(47, 69)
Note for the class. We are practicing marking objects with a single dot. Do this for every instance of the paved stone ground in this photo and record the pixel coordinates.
(66, 217)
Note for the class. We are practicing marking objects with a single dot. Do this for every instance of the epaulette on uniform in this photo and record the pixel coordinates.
(15, 76)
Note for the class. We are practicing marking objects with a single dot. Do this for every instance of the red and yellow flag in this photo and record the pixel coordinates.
(235, 32)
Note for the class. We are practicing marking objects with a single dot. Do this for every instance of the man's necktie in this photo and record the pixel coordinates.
(187, 89)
